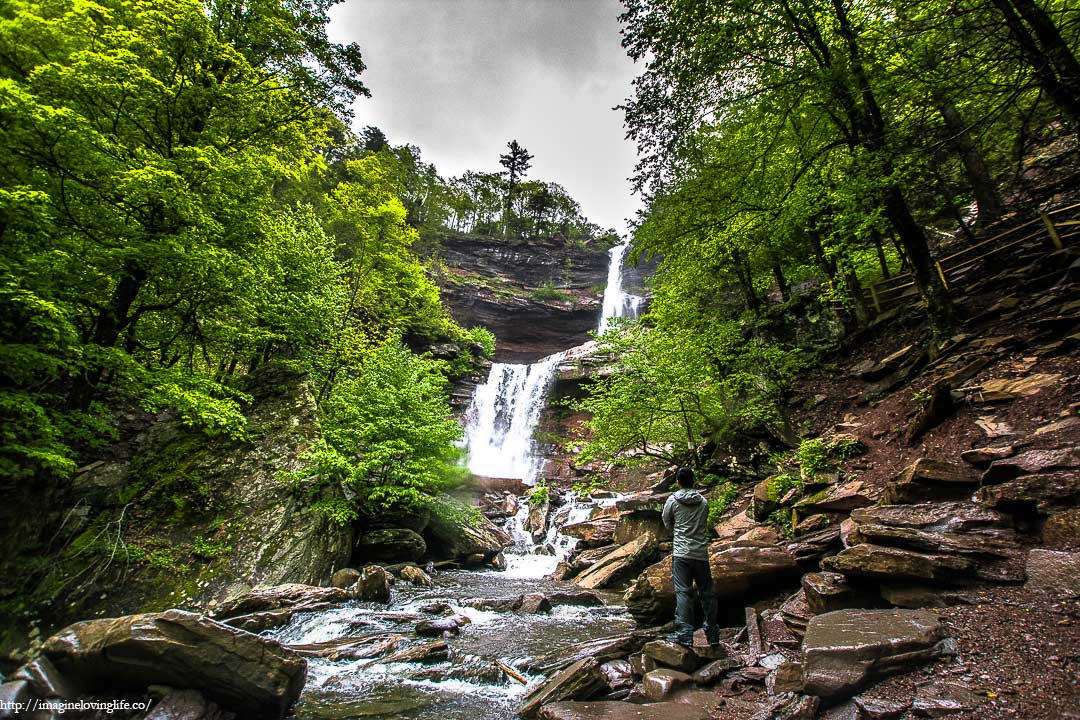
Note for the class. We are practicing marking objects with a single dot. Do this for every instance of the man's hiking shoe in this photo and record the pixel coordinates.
(714, 641)
(679, 640)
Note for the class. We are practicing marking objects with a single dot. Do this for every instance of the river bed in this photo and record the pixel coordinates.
(466, 687)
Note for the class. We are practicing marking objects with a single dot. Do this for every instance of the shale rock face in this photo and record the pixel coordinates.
(844, 649)
(391, 545)
(493, 282)
(454, 534)
(252, 676)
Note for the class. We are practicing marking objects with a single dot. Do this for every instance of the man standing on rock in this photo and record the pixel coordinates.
(687, 513)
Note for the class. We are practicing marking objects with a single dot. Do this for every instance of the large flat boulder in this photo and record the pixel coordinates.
(611, 710)
(662, 683)
(254, 677)
(619, 563)
(671, 655)
(1054, 573)
(928, 479)
(734, 526)
(1033, 494)
(828, 591)
(993, 543)
(592, 533)
(940, 516)
(1031, 462)
(455, 532)
(295, 596)
(632, 525)
(844, 497)
(602, 649)
(844, 650)
(392, 545)
(890, 563)
(738, 572)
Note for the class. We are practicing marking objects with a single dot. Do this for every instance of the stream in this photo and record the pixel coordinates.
(467, 686)
(500, 424)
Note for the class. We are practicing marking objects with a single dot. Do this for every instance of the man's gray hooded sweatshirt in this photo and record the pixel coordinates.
(688, 514)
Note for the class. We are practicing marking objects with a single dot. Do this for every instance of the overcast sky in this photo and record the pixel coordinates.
(460, 78)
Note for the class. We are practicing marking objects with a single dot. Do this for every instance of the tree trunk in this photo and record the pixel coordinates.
(1054, 46)
(110, 322)
(978, 172)
(855, 293)
(913, 240)
(869, 125)
(882, 260)
(781, 282)
(746, 280)
(1061, 83)
(827, 266)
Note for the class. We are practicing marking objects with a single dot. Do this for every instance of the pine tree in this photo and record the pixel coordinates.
(517, 163)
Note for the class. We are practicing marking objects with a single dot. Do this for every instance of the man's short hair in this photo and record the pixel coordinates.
(685, 477)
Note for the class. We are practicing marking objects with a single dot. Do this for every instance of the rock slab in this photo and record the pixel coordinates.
(252, 676)
(608, 710)
(1054, 572)
(578, 681)
(844, 649)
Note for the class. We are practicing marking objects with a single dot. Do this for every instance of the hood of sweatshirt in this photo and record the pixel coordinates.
(689, 496)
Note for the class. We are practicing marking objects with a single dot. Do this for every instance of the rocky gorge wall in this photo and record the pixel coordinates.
(538, 297)
(170, 517)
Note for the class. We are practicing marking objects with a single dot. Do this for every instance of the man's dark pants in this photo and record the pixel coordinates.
(688, 573)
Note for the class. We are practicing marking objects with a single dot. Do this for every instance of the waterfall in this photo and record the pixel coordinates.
(503, 415)
(529, 559)
(617, 303)
(505, 410)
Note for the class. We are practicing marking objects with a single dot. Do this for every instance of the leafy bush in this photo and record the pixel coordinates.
(548, 291)
(389, 437)
(678, 386)
(483, 337)
(812, 456)
(585, 487)
(206, 549)
(163, 560)
(781, 520)
(815, 455)
(540, 494)
(779, 485)
(722, 498)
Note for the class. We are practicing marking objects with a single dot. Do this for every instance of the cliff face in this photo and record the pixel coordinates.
(538, 297)
(171, 517)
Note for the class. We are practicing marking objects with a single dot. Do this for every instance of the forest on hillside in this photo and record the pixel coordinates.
(183, 202)
(806, 149)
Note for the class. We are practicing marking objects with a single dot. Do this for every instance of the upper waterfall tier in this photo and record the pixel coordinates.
(617, 302)
(538, 297)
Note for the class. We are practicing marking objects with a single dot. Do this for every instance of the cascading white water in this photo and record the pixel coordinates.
(504, 411)
(529, 559)
(617, 303)
(503, 415)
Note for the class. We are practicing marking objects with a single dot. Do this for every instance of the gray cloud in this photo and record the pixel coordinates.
(460, 78)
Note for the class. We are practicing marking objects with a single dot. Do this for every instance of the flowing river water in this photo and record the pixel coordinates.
(468, 685)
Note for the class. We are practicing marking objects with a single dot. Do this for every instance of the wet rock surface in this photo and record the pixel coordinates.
(579, 680)
(252, 676)
(843, 649)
